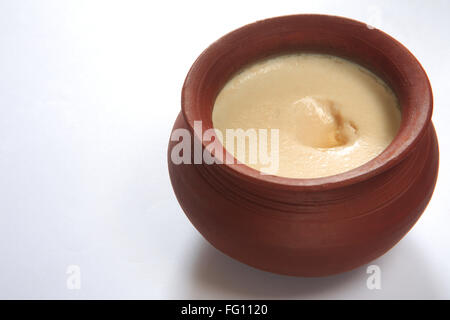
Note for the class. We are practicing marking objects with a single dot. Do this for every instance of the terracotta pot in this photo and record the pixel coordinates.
(309, 227)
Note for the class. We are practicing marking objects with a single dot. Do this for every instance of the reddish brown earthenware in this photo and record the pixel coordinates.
(310, 227)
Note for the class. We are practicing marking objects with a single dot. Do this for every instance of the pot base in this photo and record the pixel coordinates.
(310, 244)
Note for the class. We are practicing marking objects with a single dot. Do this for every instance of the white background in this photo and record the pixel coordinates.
(89, 91)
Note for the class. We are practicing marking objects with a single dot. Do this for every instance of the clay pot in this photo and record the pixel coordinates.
(309, 227)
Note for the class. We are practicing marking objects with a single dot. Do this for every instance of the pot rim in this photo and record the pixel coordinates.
(408, 77)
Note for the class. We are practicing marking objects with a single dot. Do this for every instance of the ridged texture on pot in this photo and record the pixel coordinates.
(317, 234)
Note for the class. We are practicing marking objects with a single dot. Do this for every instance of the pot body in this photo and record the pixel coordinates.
(304, 233)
